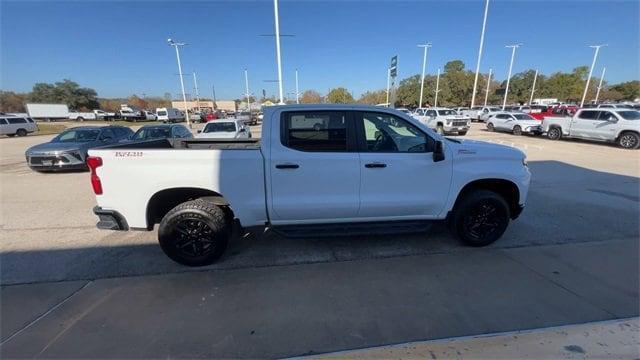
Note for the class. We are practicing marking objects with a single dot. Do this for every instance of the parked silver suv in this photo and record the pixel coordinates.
(14, 125)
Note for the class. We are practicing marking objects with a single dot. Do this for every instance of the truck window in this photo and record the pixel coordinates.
(589, 115)
(315, 131)
(3, 122)
(607, 116)
(16, 121)
(387, 133)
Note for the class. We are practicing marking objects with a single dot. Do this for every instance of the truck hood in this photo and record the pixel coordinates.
(469, 148)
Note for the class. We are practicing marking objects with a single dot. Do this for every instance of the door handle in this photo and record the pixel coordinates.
(287, 166)
(375, 165)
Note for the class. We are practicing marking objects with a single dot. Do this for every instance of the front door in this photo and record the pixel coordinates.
(315, 174)
(604, 128)
(399, 176)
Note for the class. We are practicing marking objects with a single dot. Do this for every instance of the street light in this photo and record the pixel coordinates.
(533, 88)
(435, 100)
(297, 91)
(424, 66)
(277, 25)
(513, 54)
(593, 63)
(246, 86)
(600, 85)
(195, 84)
(475, 81)
(177, 45)
(486, 93)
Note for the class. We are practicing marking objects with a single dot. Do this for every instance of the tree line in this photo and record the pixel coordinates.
(456, 86)
(76, 97)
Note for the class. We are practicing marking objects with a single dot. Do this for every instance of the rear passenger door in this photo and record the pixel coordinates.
(315, 172)
(604, 128)
(583, 124)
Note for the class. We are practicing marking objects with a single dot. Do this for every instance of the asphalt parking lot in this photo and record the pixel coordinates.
(70, 290)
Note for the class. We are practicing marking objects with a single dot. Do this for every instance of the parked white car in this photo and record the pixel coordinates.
(169, 115)
(443, 120)
(224, 129)
(20, 126)
(621, 126)
(481, 113)
(81, 116)
(515, 123)
(319, 170)
(150, 115)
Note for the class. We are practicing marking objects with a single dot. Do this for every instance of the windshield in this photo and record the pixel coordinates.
(495, 109)
(152, 133)
(630, 114)
(83, 135)
(219, 127)
(523, 117)
(447, 112)
(162, 113)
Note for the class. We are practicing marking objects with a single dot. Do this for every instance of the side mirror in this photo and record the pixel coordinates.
(243, 130)
(438, 152)
(199, 131)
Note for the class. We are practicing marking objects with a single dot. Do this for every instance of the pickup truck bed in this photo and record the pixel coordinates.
(211, 144)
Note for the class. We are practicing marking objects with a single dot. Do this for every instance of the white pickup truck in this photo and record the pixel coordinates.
(621, 126)
(443, 120)
(319, 170)
(481, 113)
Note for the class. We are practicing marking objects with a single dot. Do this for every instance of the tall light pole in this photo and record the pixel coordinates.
(533, 88)
(484, 25)
(297, 91)
(513, 54)
(277, 24)
(435, 100)
(213, 92)
(593, 63)
(388, 84)
(600, 85)
(486, 93)
(195, 83)
(246, 86)
(184, 96)
(424, 66)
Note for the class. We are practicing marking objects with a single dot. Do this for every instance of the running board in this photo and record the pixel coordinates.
(350, 229)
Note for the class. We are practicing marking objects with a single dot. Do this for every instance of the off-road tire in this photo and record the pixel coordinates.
(195, 233)
(470, 223)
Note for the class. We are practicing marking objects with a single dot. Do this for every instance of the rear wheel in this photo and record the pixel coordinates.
(480, 218)
(194, 233)
(21, 132)
(517, 130)
(554, 133)
(80, 118)
(629, 140)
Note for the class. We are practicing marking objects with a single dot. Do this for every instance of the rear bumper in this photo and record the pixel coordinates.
(110, 219)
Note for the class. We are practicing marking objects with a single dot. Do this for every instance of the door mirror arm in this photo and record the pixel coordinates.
(438, 151)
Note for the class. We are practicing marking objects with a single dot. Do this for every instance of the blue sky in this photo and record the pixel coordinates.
(119, 47)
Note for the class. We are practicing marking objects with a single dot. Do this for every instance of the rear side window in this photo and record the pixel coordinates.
(589, 115)
(315, 131)
(3, 122)
(16, 121)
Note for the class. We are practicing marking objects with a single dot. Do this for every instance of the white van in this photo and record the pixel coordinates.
(11, 126)
(169, 115)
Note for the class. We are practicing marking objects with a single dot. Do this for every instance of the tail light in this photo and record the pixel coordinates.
(94, 162)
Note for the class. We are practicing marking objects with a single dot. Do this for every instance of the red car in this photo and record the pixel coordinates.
(558, 110)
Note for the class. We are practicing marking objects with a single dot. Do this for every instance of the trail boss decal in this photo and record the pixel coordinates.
(128, 153)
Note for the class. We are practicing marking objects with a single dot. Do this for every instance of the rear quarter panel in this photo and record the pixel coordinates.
(131, 177)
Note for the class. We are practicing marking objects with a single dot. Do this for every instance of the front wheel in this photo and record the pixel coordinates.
(517, 130)
(21, 132)
(440, 129)
(629, 140)
(480, 218)
(194, 233)
(462, 133)
(490, 127)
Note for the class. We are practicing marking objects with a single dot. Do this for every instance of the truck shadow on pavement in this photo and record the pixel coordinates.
(566, 204)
